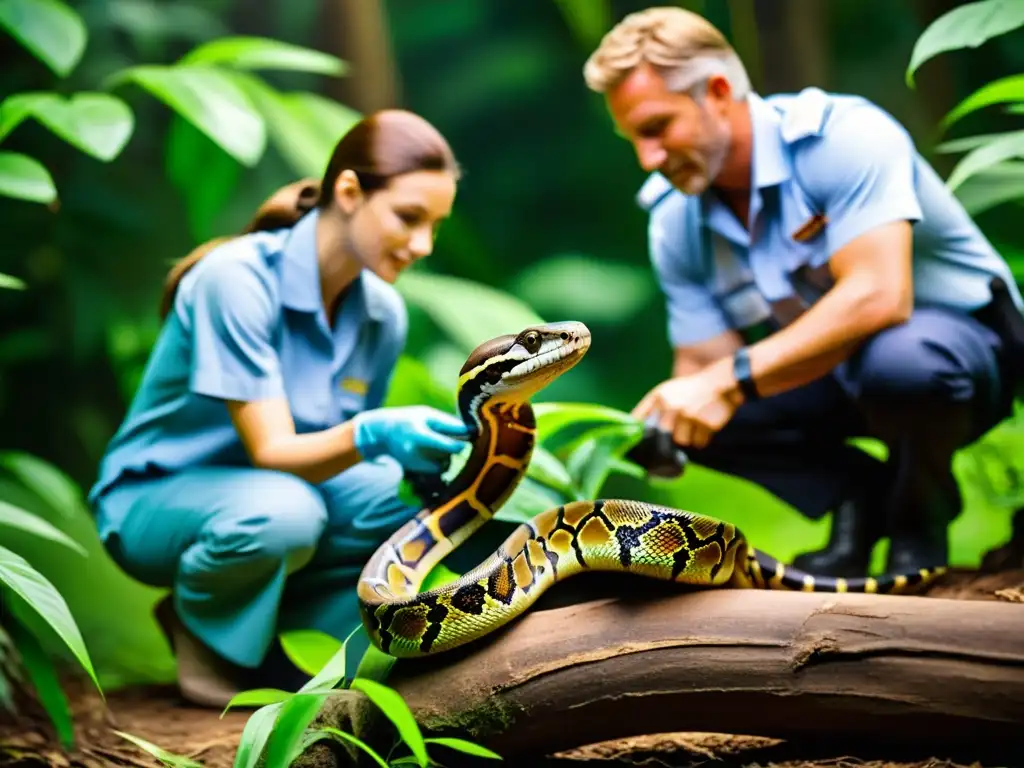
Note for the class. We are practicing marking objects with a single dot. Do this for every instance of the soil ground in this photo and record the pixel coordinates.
(158, 715)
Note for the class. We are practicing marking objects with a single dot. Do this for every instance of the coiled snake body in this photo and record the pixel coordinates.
(495, 387)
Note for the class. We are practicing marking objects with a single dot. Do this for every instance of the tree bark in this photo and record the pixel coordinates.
(852, 669)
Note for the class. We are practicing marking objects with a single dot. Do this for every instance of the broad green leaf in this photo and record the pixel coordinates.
(1003, 90)
(46, 602)
(413, 384)
(967, 26)
(553, 417)
(58, 491)
(999, 184)
(44, 679)
(254, 736)
(588, 19)
(25, 178)
(398, 712)
(439, 575)
(967, 143)
(256, 697)
(594, 459)
(333, 672)
(530, 499)
(309, 649)
(333, 733)
(98, 124)
(12, 282)
(468, 312)
(375, 664)
(285, 743)
(210, 99)
(304, 127)
(161, 754)
(264, 53)
(464, 746)
(984, 157)
(14, 517)
(566, 286)
(547, 469)
(50, 29)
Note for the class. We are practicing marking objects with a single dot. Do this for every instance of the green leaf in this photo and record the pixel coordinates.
(1002, 90)
(25, 178)
(254, 736)
(12, 282)
(967, 26)
(439, 575)
(398, 712)
(588, 19)
(98, 124)
(45, 480)
(304, 127)
(51, 30)
(530, 499)
(547, 469)
(161, 754)
(244, 52)
(986, 156)
(552, 417)
(413, 384)
(595, 457)
(333, 672)
(15, 517)
(469, 312)
(333, 733)
(375, 664)
(210, 99)
(464, 746)
(46, 602)
(566, 285)
(955, 146)
(256, 697)
(44, 679)
(285, 743)
(310, 650)
(999, 184)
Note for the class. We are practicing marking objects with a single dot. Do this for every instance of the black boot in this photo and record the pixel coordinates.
(857, 524)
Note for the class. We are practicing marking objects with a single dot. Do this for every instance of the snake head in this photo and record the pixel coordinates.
(515, 366)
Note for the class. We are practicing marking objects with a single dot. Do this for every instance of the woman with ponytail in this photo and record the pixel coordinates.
(256, 469)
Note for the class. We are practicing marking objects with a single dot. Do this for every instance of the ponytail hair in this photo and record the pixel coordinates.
(379, 147)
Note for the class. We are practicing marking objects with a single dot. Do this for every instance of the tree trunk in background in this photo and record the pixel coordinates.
(794, 39)
(357, 31)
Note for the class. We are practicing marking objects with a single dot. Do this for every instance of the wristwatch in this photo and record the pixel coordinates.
(741, 370)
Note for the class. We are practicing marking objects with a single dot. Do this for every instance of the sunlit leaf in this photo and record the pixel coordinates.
(333, 672)
(462, 745)
(398, 712)
(45, 601)
(50, 29)
(998, 91)
(285, 742)
(984, 157)
(255, 735)
(309, 649)
(43, 676)
(967, 26)
(210, 99)
(333, 733)
(375, 664)
(25, 178)
(553, 417)
(58, 491)
(11, 282)
(161, 754)
(547, 469)
(257, 697)
(245, 52)
(468, 312)
(595, 457)
(999, 184)
(566, 285)
(98, 124)
(14, 517)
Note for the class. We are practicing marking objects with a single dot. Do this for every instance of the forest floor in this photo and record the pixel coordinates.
(158, 715)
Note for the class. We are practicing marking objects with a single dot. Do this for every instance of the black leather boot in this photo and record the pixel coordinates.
(857, 525)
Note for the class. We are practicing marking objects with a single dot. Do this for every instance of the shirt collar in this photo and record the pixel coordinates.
(300, 274)
(769, 160)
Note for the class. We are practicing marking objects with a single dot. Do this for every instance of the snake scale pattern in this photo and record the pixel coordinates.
(495, 387)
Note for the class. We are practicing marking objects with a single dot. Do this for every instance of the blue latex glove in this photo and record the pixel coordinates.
(418, 437)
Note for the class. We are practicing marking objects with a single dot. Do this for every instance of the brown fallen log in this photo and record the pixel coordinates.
(853, 669)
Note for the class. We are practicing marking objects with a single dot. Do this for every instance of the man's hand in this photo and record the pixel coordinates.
(693, 408)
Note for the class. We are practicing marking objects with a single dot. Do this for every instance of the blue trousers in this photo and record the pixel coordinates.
(252, 552)
(925, 388)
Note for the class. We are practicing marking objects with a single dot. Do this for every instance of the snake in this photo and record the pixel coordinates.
(495, 387)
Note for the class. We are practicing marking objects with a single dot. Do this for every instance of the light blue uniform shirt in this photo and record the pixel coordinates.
(248, 324)
(814, 153)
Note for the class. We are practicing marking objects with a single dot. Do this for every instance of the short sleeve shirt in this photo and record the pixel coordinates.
(247, 324)
(825, 169)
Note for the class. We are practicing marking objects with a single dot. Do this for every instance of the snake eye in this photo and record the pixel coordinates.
(532, 341)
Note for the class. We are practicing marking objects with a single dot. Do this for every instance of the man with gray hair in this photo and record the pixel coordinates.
(821, 283)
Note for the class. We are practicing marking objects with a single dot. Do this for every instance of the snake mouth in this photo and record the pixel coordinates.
(554, 361)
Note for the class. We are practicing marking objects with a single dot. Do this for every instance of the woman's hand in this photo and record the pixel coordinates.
(418, 437)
